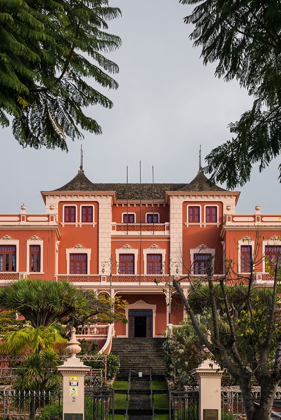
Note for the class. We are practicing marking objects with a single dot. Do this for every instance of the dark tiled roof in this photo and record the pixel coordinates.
(135, 191)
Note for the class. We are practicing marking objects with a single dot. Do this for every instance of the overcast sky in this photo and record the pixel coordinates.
(168, 103)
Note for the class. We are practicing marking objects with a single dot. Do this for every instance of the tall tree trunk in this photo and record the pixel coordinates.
(261, 410)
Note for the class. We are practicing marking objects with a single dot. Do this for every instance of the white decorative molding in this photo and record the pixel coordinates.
(127, 246)
(127, 249)
(78, 246)
(246, 240)
(274, 238)
(35, 238)
(12, 242)
(39, 242)
(154, 246)
(141, 304)
(7, 238)
(154, 249)
(272, 241)
(201, 249)
(78, 249)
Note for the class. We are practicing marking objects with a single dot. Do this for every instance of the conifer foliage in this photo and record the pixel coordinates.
(243, 38)
(51, 63)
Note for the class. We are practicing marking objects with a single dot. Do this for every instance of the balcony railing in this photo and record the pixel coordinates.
(252, 219)
(28, 219)
(145, 228)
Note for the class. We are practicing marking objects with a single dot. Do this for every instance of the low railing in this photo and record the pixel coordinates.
(232, 402)
(143, 227)
(30, 404)
(93, 330)
(28, 219)
(252, 219)
(151, 395)
(128, 396)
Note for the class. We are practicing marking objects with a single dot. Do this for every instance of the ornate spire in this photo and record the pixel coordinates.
(200, 165)
(81, 160)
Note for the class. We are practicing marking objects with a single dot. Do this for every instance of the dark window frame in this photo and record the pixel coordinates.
(152, 216)
(193, 214)
(154, 264)
(69, 214)
(78, 264)
(200, 262)
(211, 214)
(271, 252)
(127, 264)
(87, 214)
(8, 258)
(35, 258)
(246, 258)
(131, 218)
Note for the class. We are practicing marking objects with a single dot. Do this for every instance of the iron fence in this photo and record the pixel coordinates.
(99, 401)
(183, 404)
(28, 404)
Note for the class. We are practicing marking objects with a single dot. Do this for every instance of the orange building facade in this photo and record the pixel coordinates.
(131, 240)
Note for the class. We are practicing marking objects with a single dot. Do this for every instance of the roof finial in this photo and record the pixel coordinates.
(81, 159)
(200, 165)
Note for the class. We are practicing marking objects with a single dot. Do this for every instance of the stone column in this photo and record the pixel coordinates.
(73, 372)
(208, 375)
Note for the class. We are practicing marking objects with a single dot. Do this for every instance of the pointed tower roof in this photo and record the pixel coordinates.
(79, 183)
(201, 183)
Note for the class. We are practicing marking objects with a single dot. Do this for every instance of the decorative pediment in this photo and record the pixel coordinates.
(6, 238)
(35, 238)
(247, 239)
(79, 246)
(127, 246)
(274, 238)
(202, 246)
(154, 247)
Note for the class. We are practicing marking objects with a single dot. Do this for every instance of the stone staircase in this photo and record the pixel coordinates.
(140, 355)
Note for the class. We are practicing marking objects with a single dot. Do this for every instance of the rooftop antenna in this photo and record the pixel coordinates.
(200, 165)
(81, 159)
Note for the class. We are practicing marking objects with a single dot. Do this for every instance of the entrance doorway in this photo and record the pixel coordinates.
(140, 323)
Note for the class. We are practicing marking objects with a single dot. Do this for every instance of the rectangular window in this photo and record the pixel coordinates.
(78, 263)
(271, 253)
(246, 258)
(7, 258)
(127, 264)
(128, 218)
(35, 257)
(211, 214)
(70, 214)
(154, 264)
(200, 263)
(152, 217)
(193, 214)
(87, 214)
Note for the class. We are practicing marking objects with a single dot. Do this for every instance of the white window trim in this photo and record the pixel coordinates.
(127, 249)
(80, 215)
(7, 241)
(153, 250)
(34, 240)
(273, 241)
(135, 217)
(201, 249)
(151, 212)
(141, 304)
(245, 241)
(200, 223)
(76, 214)
(78, 249)
(205, 215)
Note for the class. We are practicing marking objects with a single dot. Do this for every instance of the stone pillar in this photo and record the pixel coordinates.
(73, 372)
(208, 375)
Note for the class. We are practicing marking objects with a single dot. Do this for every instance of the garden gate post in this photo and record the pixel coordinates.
(208, 375)
(73, 372)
